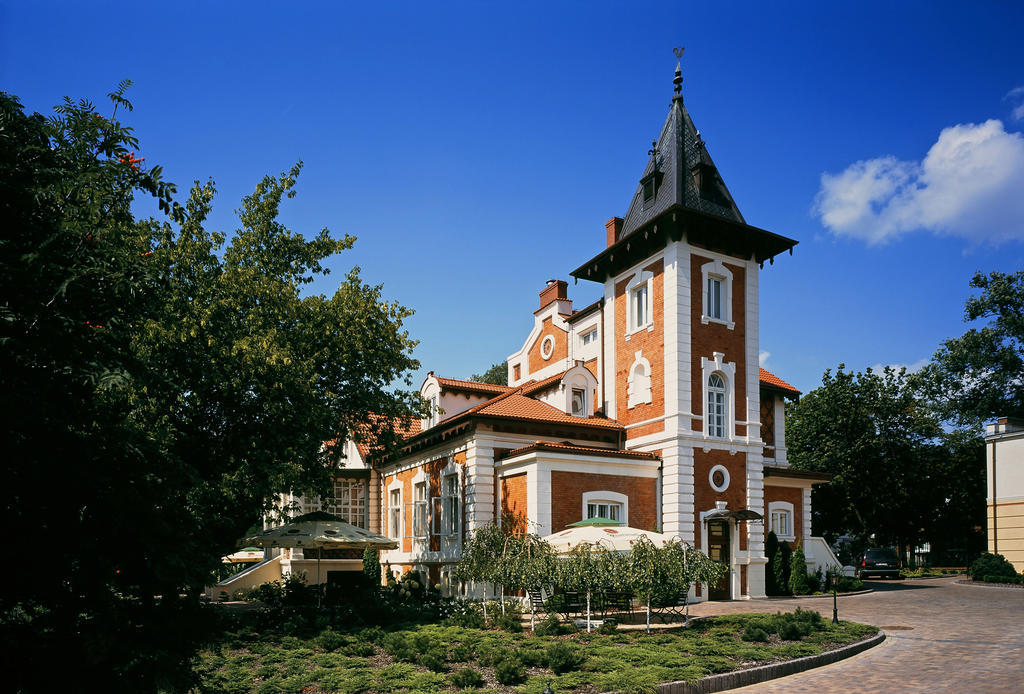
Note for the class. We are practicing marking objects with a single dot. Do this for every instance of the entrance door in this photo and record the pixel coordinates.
(718, 550)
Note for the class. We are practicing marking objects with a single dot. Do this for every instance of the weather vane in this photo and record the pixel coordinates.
(678, 81)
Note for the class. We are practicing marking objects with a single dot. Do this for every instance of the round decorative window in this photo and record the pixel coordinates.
(547, 346)
(719, 478)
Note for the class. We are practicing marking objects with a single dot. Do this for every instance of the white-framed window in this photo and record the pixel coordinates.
(395, 513)
(780, 520)
(606, 504)
(714, 294)
(718, 478)
(716, 406)
(604, 509)
(435, 411)
(451, 505)
(419, 510)
(717, 300)
(589, 337)
(639, 292)
(579, 402)
(547, 347)
(349, 502)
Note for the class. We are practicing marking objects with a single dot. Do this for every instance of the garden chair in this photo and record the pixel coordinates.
(536, 600)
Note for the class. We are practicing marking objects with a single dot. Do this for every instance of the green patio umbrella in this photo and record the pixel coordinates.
(319, 530)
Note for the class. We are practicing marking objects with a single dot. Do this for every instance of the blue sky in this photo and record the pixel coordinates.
(476, 149)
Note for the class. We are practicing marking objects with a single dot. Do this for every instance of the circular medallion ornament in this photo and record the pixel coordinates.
(719, 478)
(547, 346)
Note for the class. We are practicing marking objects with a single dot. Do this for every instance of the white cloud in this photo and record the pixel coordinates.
(1016, 94)
(911, 368)
(762, 358)
(970, 184)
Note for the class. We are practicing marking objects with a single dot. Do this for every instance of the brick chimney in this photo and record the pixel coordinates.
(612, 228)
(555, 290)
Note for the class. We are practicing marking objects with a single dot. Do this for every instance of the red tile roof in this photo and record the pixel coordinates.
(517, 406)
(472, 386)
(770, 379)
(581, 450)
(414, 427)
(537, 386)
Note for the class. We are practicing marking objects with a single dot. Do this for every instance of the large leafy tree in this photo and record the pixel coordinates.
(980, 375)
(892, 464)
(497, 374)
(160, 387)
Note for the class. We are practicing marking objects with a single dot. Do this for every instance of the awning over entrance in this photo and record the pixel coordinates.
(743, 514)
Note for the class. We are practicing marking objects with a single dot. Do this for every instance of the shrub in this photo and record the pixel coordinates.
(548, 627)
(461, 652)
(432, 660)
(399, 647)
(564, 657)
(467, 678)
(330, 640)
(359, 649)
(798, 579)
(508, 622)
(991, 565)
(532, 657)
(509, 670)
(467, 615)
(793, 631)
(608, 627)
(846, 584)
(754, 633)
(1016, 580)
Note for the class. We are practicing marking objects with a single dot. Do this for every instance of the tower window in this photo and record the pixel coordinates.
(716, 406)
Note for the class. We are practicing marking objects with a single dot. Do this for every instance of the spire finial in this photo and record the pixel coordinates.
(678, 81)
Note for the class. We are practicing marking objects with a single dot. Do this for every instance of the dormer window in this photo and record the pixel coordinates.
(709, 184)
(579, 402)
(649, 184)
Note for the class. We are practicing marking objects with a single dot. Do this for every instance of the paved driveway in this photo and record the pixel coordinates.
(940, 637)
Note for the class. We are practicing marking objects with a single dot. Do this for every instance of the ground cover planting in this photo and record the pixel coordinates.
(303, 654)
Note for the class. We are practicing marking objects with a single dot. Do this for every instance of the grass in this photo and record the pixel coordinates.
(372, 660)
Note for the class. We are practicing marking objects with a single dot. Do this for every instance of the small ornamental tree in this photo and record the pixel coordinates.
(584, 570)
(771, 550)
(481, 556)
(371, 566)
(798, 583)
(530, 563)
(646, 571)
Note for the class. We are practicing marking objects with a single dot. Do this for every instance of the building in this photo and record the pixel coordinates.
(647, 407)
(1004, 464)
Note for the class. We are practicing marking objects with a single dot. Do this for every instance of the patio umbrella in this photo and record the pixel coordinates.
(609, 534)
(319, 530)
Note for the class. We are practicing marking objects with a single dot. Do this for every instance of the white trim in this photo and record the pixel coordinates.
(711, 478)
(783, 506)
(639, 387)
(396, 485)
(642, 279)
(609, 497)
(727, 369)
(717, 269)
(547, 347)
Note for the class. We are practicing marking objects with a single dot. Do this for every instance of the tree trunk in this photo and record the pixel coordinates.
(648, 612)
(588, 611)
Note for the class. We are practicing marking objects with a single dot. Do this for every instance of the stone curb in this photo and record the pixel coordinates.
(985, 584)
(743, 678)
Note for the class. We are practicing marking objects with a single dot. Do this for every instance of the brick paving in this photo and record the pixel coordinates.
(940, 637)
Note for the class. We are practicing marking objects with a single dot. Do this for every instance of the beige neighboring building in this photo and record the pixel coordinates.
(1004, 460)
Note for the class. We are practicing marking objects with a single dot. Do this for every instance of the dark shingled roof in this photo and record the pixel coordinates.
(679, 155)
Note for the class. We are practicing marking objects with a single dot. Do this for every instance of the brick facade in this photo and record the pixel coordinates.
(652, 344)
(535, 360)
(567, 489)
(793, 495)
(705, 496)
(513, 502)
(715, 337)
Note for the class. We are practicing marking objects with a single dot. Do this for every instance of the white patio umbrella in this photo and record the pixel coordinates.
(618, 538)
(601, 532)
(319, 530)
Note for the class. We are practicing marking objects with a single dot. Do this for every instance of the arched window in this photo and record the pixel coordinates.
(716, 406)
(638, 388)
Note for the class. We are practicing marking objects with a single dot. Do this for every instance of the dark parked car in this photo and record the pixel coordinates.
(883, 563)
